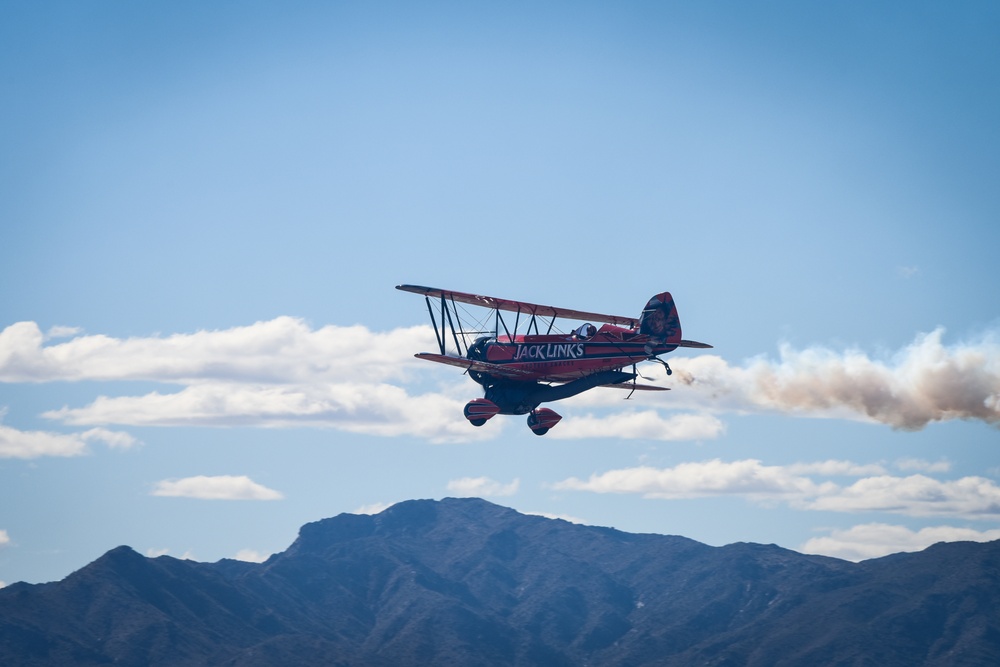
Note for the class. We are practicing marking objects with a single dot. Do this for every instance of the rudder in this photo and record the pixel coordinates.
(659, 319)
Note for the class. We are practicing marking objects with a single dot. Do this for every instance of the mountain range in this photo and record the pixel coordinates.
(467, 582)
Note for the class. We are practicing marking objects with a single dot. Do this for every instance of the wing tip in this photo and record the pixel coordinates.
(416, 289)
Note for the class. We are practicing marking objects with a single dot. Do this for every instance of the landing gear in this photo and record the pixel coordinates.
(665, 364)
(478, 410)
(542, 419)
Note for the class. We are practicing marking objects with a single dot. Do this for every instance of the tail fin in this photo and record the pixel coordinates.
(659, 320)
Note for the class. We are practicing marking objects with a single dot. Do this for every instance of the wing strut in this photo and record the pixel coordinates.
(437, 336)
(451, 323)
(506, 330)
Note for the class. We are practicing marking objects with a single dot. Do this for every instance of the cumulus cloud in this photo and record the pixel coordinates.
(33, 444)
(374, 409)
(284, 349)
(697, 479)
(277, 373)
(373, 508)
(873, 540)
(113, 439)
(19, 444)
(925, 382)
(251, 556)
(62, 332)
(647, 424)
(4, 539)
(482, 486)
(800, 486)
(835, 468)
(920, 465)
(283, 372)
(915, 495)
(564, 517)
(219, 487)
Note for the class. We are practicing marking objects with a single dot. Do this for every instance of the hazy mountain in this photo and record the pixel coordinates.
(466, 582)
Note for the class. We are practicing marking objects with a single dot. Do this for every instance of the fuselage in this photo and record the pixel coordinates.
(565, 357)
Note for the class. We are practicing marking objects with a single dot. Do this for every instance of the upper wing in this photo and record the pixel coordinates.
(481, 366)
(521, 306)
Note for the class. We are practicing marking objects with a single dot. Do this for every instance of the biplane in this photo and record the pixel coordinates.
(520, 371)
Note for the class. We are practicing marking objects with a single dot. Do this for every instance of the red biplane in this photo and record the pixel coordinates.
(521, 371)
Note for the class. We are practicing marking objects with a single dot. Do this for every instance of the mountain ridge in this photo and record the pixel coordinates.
(465, 581)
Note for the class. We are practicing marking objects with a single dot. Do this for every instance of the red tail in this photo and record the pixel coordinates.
(659, 319)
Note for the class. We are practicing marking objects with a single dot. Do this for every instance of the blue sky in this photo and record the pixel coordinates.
(205, 210)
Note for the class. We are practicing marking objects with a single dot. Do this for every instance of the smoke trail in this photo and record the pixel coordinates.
(923, 383)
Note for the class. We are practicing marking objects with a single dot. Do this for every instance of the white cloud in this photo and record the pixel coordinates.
(693, 480)
(19, 444)
(482, 486)
(565, 517)
(872, 540)
(835, 468)
(61, 332)
(220, 487)
(278, 373)
(634, 425)
(156, 553)
(251, 556)
(912, 465)
(373, 508)
(4, 539)
(374, 409)
(284, 349)
(915, 495)
(33, 444)
(800, 485)
(283, 372)
(113, 439)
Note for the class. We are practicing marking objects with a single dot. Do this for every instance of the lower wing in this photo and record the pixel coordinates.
(480, 366)
(515, 373)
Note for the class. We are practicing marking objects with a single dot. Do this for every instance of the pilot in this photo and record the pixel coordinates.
(585, 332)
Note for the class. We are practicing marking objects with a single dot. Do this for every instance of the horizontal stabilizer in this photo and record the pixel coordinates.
(694, 343)
(640, 387)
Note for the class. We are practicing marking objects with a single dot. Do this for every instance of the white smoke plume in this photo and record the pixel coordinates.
(925, 382)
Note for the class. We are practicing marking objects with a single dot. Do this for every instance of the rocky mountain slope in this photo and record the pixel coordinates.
(466, 582)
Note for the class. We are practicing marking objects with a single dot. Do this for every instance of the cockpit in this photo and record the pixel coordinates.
(584, 332)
